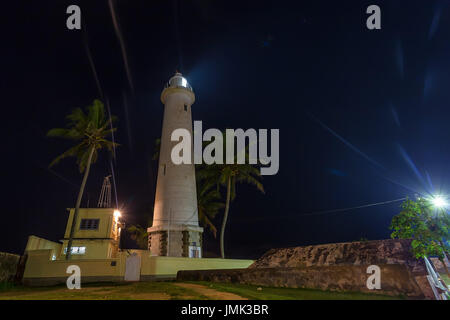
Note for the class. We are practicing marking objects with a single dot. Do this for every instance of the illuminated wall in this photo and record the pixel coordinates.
(41, 270)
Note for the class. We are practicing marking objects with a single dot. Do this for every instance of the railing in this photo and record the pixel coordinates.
(168, 85)
(440, 290)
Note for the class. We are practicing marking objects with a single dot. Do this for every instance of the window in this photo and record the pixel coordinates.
(185, 107)
(89, 224)
(164, 170)
(76, 250)
(195, 252)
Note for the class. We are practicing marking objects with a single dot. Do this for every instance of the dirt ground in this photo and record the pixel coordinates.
(132, 291)
(210, 293)
(172, 290)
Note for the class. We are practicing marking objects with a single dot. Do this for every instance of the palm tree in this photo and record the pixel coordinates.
(89, 130)
(208, 204)
(227, 175)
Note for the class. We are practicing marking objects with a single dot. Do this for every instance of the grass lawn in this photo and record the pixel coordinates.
(171, 290)
(446, 278)
(102, 291)
(271, 293)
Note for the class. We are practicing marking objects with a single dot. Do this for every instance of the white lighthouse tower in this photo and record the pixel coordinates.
(175, 231)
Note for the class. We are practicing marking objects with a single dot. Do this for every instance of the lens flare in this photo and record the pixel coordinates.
(439, 202)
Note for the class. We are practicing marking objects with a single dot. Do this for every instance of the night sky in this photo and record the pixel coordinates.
(364, 115)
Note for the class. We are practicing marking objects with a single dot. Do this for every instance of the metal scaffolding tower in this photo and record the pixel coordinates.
(105, 195)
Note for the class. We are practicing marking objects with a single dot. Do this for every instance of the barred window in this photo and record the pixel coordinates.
(89, 224)
(76, 250)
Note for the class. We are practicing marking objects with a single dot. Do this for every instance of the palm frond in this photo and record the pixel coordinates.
(77, 116)
(94, 113)
(82, 160)
(65, 133)
(209, 225)
(107, 132)
(72, 152)
(253, 181)
(109, 145)
(91, 129)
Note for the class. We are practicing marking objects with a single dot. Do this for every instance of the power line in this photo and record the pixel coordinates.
(61, 177)
(327, 211)
(306, 214)
(75, 186)
(353, 208)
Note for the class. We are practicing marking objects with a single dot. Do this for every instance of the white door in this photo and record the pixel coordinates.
(133, 268)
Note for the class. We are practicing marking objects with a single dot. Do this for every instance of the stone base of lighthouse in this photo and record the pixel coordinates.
(175, 241)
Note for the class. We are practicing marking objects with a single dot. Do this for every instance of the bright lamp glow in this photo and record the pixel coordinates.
(183, 82)
(439, 201)
(117, 214)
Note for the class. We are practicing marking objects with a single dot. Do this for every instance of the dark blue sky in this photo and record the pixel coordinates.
(363, 115)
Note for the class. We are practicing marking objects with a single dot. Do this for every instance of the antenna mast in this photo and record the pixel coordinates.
(104, 201)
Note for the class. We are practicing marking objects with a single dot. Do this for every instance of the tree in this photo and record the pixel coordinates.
(140, 235)
(208, 205)
(427, 227)
(227, 175)
(90, 131)
(439, 225)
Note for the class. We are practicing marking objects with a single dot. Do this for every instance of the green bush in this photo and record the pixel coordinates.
(5, 286)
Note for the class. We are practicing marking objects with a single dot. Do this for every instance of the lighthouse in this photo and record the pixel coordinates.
(175, 231)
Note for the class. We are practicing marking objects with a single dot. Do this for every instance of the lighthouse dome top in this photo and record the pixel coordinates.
(178, 81)
(178, 85)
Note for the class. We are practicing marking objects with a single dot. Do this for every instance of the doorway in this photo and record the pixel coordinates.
(133, 267)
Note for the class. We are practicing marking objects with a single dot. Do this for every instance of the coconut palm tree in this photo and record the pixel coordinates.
(89, 131)
(208, 205)
(227, 175)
